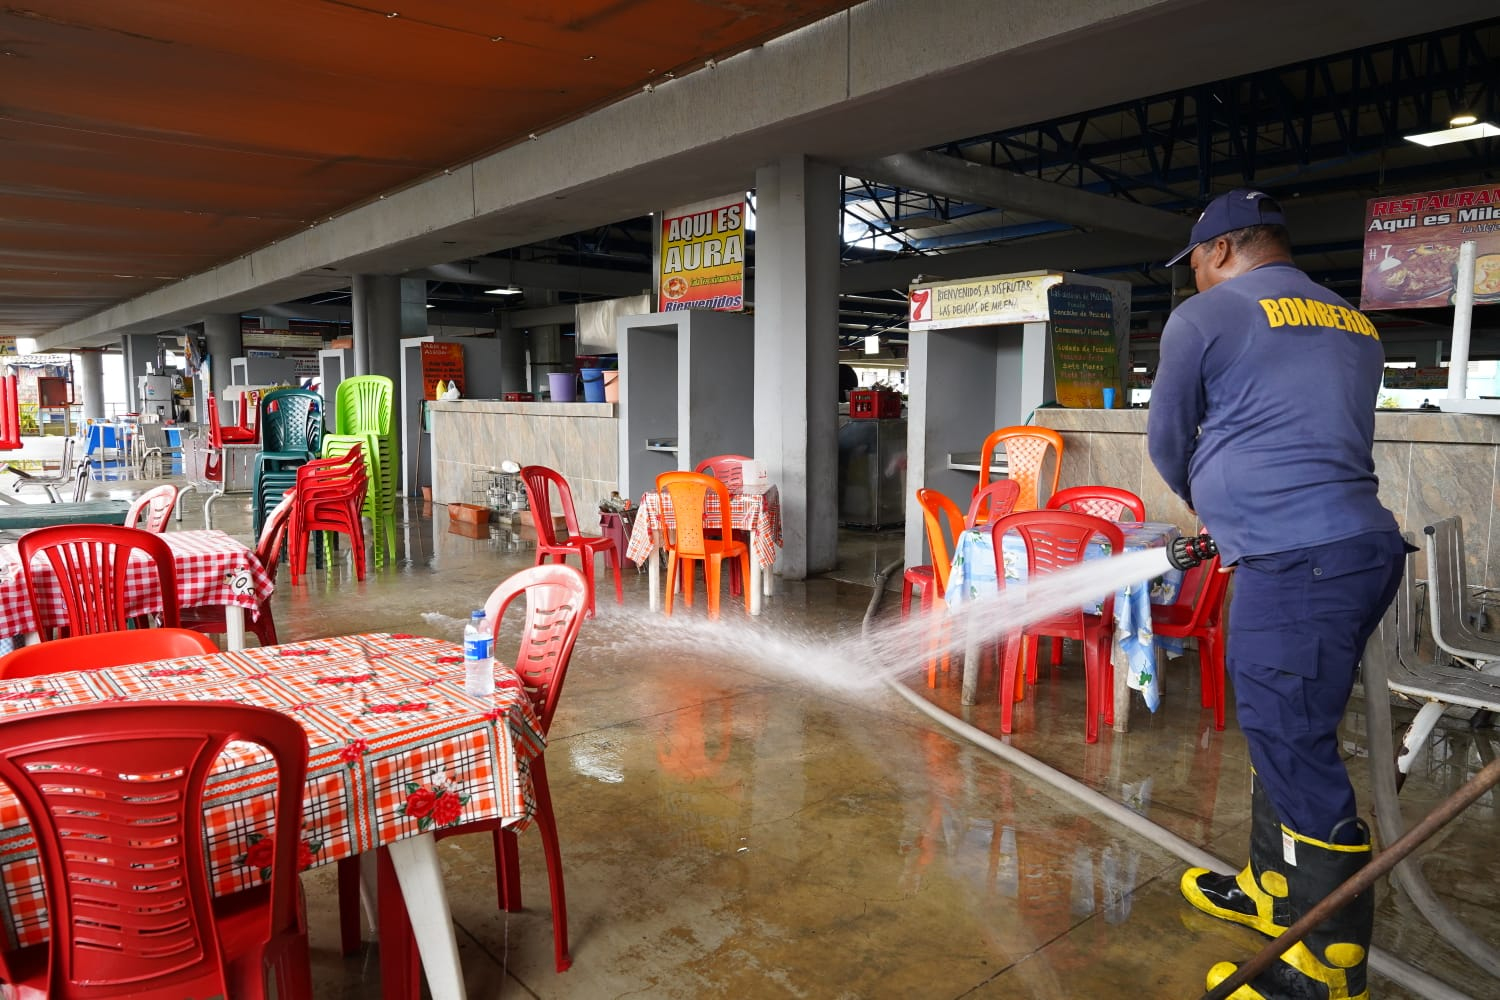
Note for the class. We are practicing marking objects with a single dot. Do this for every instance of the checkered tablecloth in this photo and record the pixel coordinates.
(212, 569)
(1135, 643)
(396, 748)
(758, 514)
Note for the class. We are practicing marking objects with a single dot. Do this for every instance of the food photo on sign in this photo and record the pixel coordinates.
(1411, 247)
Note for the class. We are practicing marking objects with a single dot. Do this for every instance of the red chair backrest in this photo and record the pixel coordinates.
(10, 414)
(1108, 502)
(114, 794)
(539, 480)
(1056, 540)
(157, 505)
(556, 599)
(686, 495)
(726, 469)
(1206, 588)
(105, 649)
(90, 564)
(273, 534)
(992, 502)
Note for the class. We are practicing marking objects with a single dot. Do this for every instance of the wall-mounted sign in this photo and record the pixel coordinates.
(1411, 247)
(1005, 298)
(8, 347)
(1085, 354)
(441, 360)
(1415, 378)
(702, 263)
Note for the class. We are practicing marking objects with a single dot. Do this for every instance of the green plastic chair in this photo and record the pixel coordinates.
(363, 410)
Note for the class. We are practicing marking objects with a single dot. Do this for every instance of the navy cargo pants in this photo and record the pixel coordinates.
(1297, 628)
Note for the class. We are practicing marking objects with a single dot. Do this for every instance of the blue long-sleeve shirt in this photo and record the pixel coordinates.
(1263, 413)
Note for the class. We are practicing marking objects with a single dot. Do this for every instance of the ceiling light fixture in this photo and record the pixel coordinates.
(1463, 118)
(507, 290)
(431, 306)
(1461, 133)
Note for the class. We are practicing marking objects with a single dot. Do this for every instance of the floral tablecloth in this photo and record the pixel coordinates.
(759, 514)
(1134, 648)
(396, 748)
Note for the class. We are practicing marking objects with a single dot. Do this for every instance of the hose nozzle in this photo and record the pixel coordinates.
(1186, 552)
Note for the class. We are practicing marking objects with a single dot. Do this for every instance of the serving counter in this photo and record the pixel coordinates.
(579, 440)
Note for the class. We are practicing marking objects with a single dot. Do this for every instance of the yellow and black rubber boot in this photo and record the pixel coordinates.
(1328, 964)
(1257, 896)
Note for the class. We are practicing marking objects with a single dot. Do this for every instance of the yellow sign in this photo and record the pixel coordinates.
(995, 301)
(8, 347)
(703, 256)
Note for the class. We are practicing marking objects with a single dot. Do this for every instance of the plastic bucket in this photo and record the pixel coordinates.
(564, 387)
(593, 385)
(611, 387)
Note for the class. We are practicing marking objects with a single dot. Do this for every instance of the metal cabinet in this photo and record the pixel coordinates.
(872, 473)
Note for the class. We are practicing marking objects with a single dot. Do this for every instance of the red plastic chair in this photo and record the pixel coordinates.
(104, 649)
(1198, 614)
(246, 431)
(992, 502)
(89, 566)
(1056, 540)
(210, 619)
(539, 481)
(556, 594)
(688, 539)
(156, 505)
(114, 794)
(1108, 502)
(727, 470)
(10, 414)
(1025, 453)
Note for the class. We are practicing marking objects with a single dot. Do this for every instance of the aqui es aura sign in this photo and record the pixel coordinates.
(702, 261)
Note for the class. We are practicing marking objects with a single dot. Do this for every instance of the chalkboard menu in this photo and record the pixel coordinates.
(1085, 356)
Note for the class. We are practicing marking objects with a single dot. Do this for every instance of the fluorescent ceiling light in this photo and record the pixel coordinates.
(1463, 118)
(507, 290)
(872, 344)
(430, 306)
(1463, 133)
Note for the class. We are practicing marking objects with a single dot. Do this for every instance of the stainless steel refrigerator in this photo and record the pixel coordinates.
(872, 473)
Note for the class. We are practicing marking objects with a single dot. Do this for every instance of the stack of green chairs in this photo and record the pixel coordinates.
(291, 425)
(363, 415)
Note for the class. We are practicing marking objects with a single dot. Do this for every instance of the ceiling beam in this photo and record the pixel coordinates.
(494, 271)
(952, 177)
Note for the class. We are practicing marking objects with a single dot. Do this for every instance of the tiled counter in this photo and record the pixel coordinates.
(579, 440)
(1431, 466)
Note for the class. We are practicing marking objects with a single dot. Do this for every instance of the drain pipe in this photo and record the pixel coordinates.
(1392, 968)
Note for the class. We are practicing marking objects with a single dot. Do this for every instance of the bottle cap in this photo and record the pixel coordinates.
(477, 614)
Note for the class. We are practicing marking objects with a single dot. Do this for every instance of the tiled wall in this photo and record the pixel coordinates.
(580, 440)
(1431, 466)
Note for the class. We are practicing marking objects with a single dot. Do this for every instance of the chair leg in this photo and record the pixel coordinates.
(1091, 684)
(546, 823)
(689, 567)
(1106, 675)
(1012, 650)
(713, 567)
(508, 870)
(672, 561)
(744, 565)
(400, 965)
(906, 589)
(587, 559)
(613, 555)
(1057, 650)
(348, 873)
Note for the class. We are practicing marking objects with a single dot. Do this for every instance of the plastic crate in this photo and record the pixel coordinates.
(874, 404)
(518, 397)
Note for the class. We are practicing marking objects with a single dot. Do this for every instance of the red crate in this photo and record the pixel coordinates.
(874, 404)
(518, 397)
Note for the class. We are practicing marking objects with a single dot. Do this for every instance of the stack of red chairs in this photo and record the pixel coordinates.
(330, 496)
(10, 415)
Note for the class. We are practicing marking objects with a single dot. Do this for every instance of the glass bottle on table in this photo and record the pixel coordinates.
(479, 667)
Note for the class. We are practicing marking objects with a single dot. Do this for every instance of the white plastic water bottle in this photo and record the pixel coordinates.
(479, 668)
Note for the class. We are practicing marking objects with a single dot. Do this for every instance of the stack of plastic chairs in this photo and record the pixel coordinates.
(10, 415)
(330, 497)
(291, 424)
(363, 415)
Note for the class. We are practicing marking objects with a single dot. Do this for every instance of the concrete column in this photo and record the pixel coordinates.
(140, 357)
(386, 309)
(91, 383)
(796, 354)
(222, 341)
(512, 356)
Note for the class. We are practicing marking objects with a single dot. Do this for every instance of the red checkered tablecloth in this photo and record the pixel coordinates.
(758, 514)
(396, 748)
(212, 569)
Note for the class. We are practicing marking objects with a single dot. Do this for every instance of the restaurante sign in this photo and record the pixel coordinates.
(1411, 247)
(994, 301)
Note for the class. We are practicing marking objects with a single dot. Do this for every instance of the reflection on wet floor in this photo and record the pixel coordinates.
(729, 830)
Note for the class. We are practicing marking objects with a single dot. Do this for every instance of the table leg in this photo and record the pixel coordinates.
(753, 585)
(234, 619)
(969, 693)
(653, 576)
(1122, 691)
(421, 879)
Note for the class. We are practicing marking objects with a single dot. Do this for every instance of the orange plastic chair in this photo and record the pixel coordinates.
(273, 535)
(1108, 502)
(539, 481)
(993, 502)
(688, 540)
(939, 514)
(1198, 614)
(120, 847)
(104, 649)
(156, 505)
(1025, 454)
(1056, 540)
(556, 598)
(89, 565)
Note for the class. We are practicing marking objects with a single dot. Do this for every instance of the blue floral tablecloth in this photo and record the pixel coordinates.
(1134, 648)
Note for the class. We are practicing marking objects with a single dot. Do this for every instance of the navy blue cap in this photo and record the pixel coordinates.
(1237, 209)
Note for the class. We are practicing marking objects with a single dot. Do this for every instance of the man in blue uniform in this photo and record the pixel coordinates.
(1262, 419)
